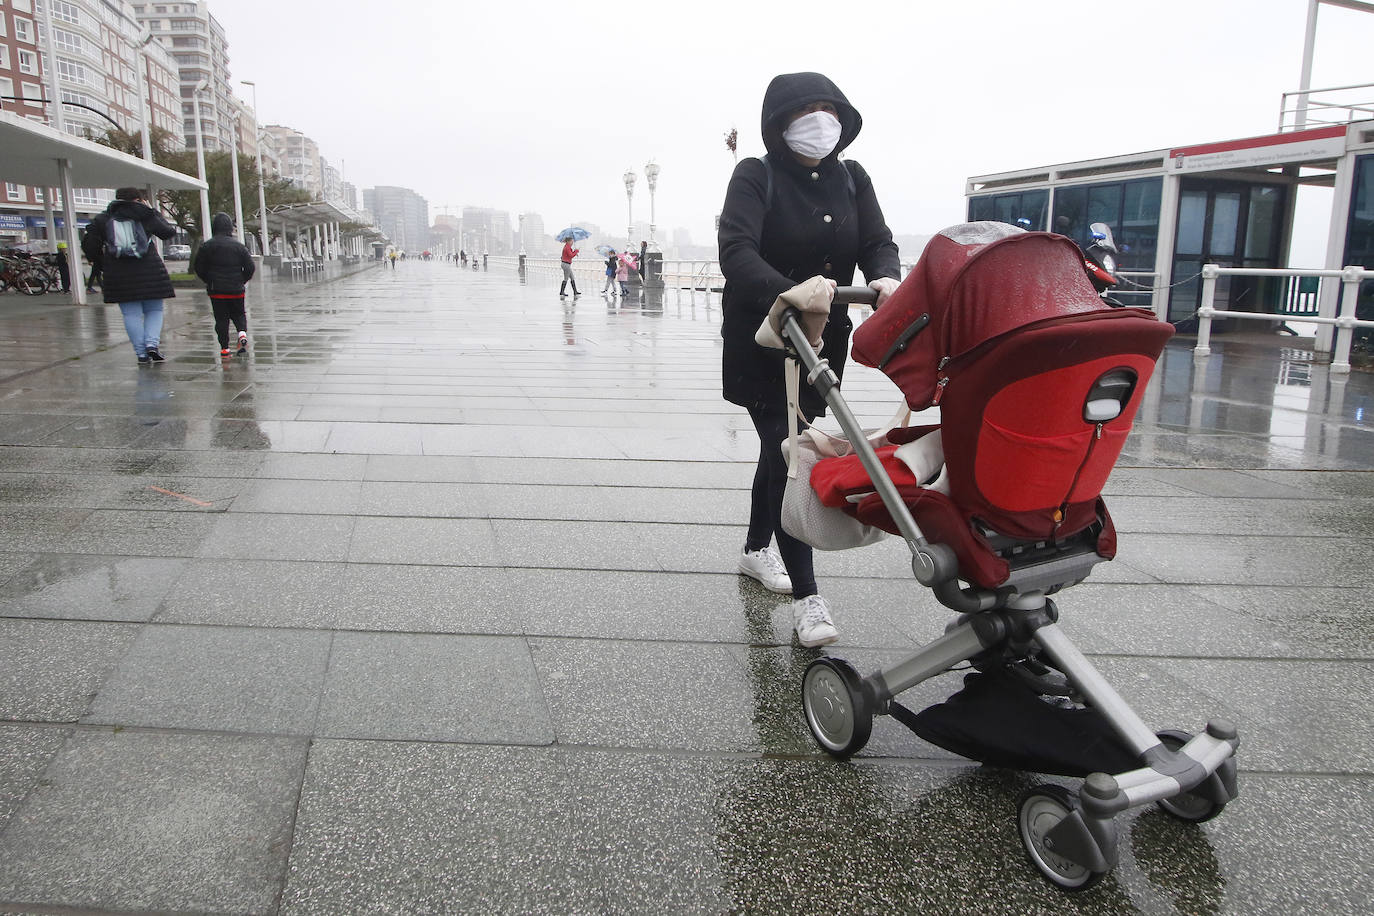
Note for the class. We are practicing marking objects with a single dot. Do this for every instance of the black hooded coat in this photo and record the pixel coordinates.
(817, 223)
(224, 262)
(130, 279)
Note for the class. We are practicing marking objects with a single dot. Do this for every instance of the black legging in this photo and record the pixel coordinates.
(765, 504)
(226, 309)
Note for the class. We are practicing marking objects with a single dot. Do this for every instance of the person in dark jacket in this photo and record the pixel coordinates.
(798, 213)
(138, 285)
(226, 266)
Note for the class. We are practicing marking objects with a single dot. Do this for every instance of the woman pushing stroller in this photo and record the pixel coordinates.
(797, 213)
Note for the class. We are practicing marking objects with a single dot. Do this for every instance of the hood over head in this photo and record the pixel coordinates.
(222, 224)
(790, 91)
(128, 209)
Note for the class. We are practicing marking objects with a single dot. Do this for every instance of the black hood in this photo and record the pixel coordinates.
(790, 91)
(129, 209)
(222, 224)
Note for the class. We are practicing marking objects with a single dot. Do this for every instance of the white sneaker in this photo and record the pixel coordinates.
(811, 616)
(766, 566)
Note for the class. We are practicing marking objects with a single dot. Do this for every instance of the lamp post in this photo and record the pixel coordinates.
(651, 173)
(629, 177)
(200, 161)
(234, 170)
(262, 197)
(144, 109)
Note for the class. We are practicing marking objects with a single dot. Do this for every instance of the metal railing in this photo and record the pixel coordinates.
(1344, 323)
(1325, 112)
(697, 276)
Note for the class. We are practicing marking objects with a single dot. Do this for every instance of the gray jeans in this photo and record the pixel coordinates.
(567, 278)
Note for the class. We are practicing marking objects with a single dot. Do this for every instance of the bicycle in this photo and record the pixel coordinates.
(20, 271)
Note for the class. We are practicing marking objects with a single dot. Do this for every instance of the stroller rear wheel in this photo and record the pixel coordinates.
(1186, 806)
(837, 707)
(1039, 811)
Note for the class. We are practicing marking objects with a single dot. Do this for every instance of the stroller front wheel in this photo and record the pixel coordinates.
(837, 708)
(1186, 806)
(1041, 809)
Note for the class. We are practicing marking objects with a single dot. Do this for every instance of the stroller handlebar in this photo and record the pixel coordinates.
(856, 295)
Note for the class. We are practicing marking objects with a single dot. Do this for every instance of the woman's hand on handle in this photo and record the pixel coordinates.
(884, 287)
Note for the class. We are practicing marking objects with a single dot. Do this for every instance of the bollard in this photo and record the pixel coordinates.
(1205, 311)
(522, 264)
(1345, 321)
(653, 270)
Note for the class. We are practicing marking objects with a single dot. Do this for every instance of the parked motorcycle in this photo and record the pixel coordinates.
(1099, 259)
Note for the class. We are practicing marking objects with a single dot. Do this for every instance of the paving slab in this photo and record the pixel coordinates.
(155, 822)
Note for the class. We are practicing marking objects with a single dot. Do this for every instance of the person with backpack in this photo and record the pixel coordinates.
(132, 273)
(226, 266)
(797, 213)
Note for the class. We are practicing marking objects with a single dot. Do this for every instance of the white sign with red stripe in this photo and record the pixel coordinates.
(1275, 149)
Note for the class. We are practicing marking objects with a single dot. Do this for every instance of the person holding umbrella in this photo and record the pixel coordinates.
(567, 237)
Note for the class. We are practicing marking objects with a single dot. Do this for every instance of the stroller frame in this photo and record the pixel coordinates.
(1070, 837)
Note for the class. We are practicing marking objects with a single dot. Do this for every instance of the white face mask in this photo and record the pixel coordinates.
(813, 135)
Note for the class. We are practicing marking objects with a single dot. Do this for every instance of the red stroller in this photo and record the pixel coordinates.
(1038, 382)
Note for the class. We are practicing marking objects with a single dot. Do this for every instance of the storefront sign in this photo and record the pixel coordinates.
(11, 222)
(38, 222)
(1275, 149)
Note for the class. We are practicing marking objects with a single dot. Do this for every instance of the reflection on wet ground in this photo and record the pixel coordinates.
(428, 604)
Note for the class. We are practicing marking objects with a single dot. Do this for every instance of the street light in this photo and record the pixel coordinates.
(200, 161)
(651, 173)
(262, 197)
(629, 177)
(141, 58)
(234, 170)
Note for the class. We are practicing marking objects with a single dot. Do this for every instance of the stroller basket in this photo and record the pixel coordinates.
(1038, 381)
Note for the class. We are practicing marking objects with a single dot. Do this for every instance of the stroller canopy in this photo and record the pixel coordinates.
(974, 282)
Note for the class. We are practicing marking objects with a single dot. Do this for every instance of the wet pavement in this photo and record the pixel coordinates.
(428, 605)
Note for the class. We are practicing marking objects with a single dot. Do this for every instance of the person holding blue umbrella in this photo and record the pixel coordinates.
(567, 237)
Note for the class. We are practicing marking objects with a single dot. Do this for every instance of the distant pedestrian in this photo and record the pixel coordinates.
(643, 250)
(393, 259)
(610, 273)
(625, 265)
(463, 256)
(569, 252)
(63, 269)
(134, 276)
(226, 266)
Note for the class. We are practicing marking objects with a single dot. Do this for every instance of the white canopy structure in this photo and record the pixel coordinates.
(41, 156)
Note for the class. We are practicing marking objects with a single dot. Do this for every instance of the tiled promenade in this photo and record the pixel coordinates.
(428, 605)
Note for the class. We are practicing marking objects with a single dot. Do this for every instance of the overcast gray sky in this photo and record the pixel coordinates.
(539, 106)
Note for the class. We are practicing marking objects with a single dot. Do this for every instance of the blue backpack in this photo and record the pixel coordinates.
(125, 238)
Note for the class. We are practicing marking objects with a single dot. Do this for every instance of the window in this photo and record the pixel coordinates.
(1019, 208)
(38, 195)
(4, 56)
(28, 62)
(23, 29)
(68, 41)
(6, 88)
(33, 94)
(14, 191)
(65, 12)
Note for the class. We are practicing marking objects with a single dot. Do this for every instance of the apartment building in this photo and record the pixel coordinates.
(97, 55)
(198, 45)
(400, 213)
(299, 158)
